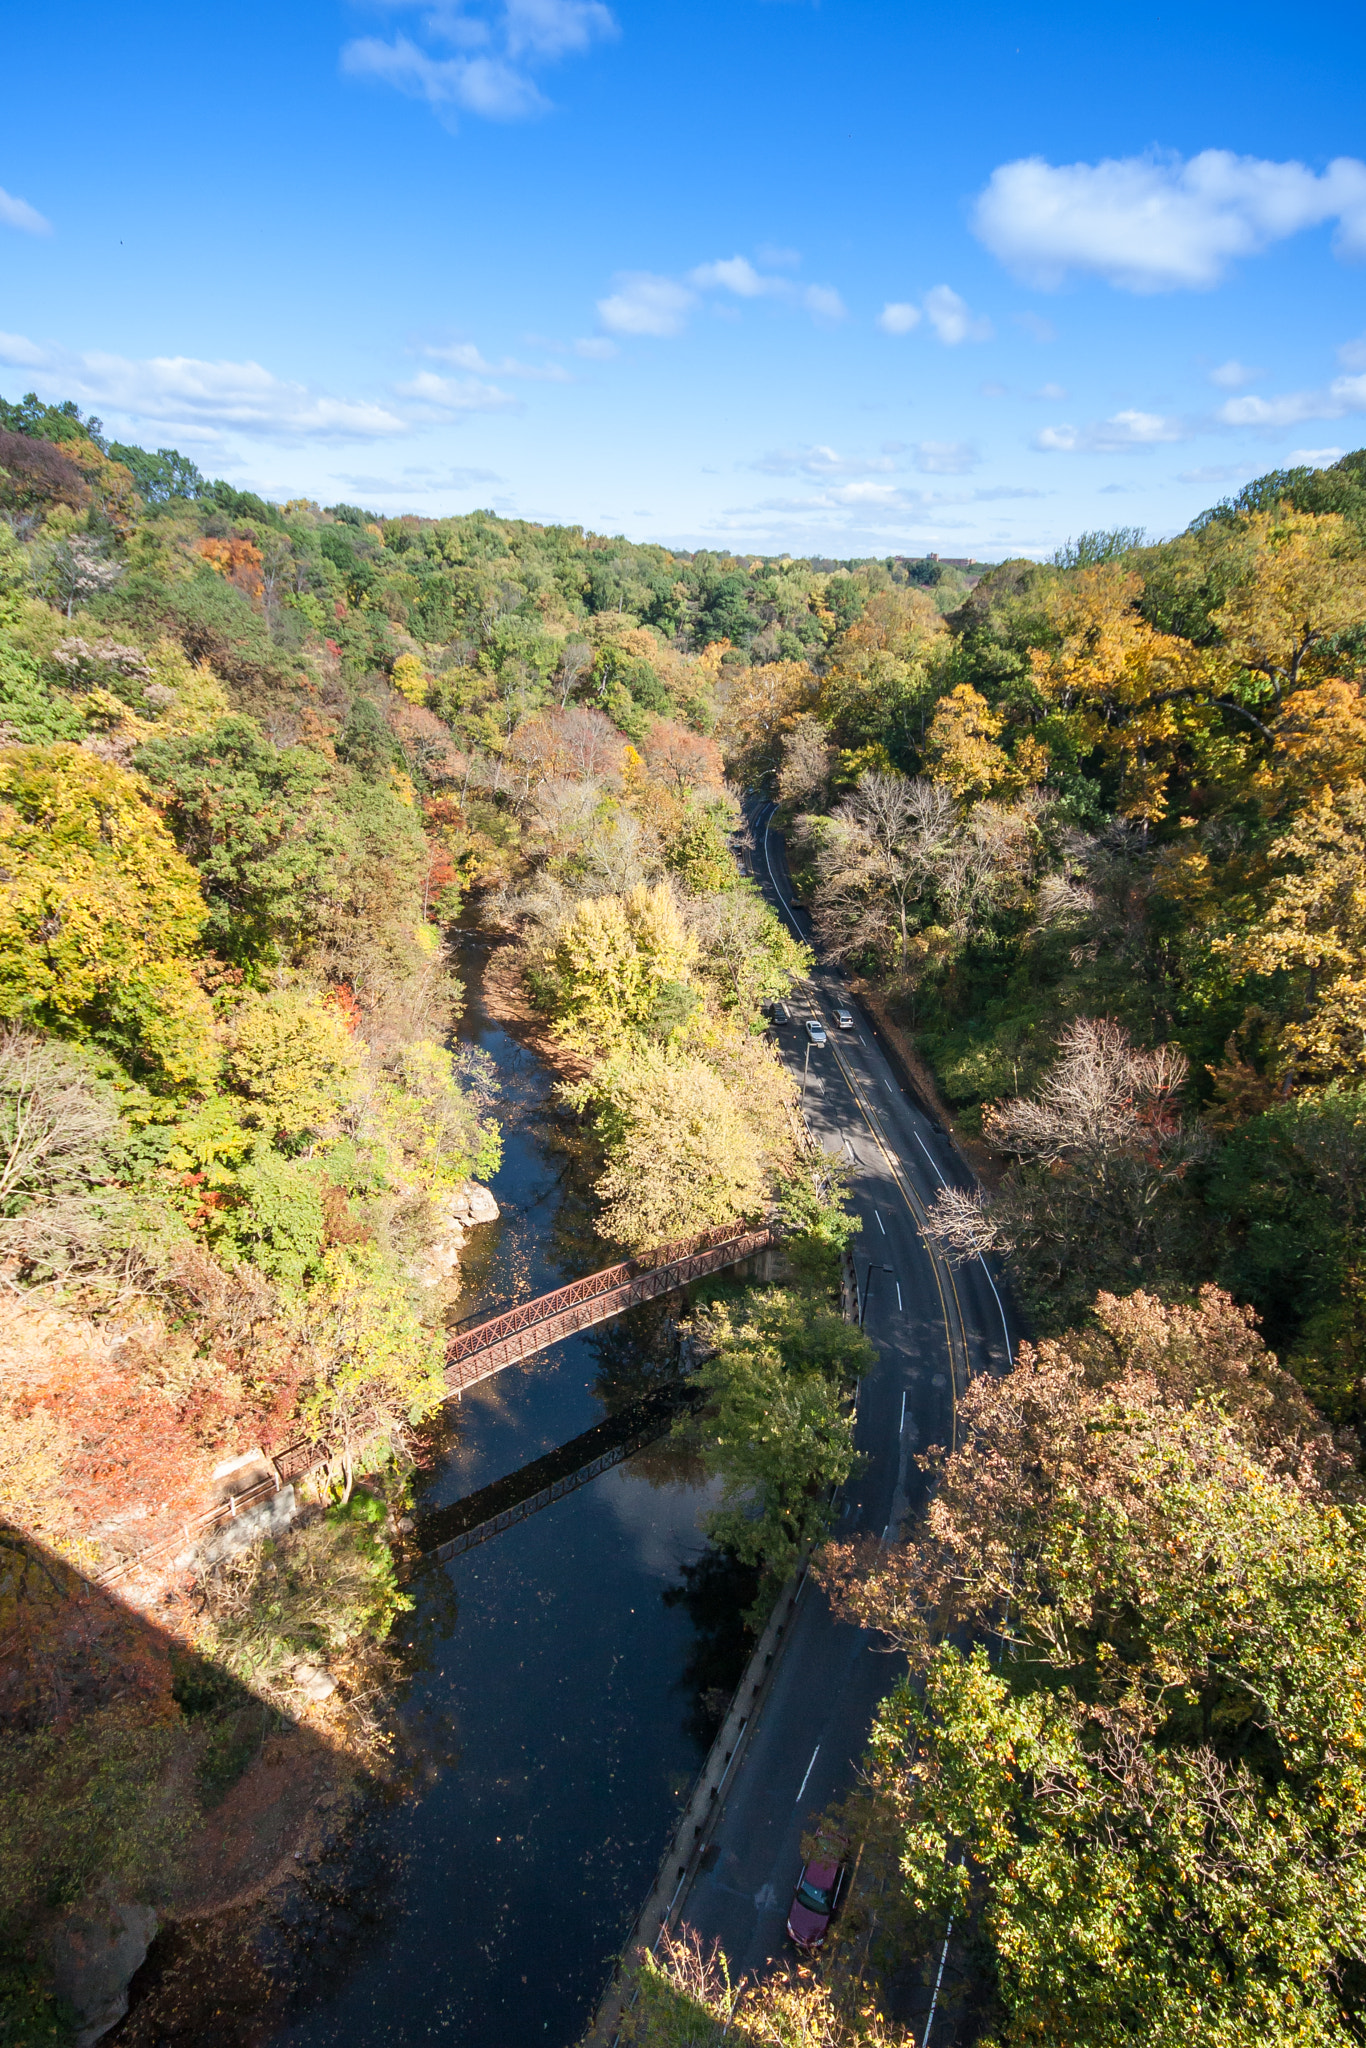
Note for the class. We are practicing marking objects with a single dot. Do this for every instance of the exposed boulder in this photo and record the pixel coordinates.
(96, 1950)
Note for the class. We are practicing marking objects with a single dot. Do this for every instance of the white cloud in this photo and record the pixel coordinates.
(948, 315)
(646, 304)
(596, 348)
(946, 312)
(822, 462)
(200, 399)
(1050, 391)
(1313, 458)
(494, 81)
(778, 258)
(737, 274)
(474, 85)
(450, 394)
(1216, 473)
(465, 356)
(1232, 376)
(823, 302)
(1344, 395)
(551, 28)
(898, 317)
(17, 213)
(1035, 324)
(19, 353)
(1352, 354)
(1128, 429)
(1158, 223)
(945, 458)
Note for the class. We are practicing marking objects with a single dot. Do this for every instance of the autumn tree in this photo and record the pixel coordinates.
(1138, 698)
(1304, 583)
(757, 706)
(681, 1155)
(611, 960)
(1149, 1795)
(962, 746)
(1101, 1152)
(99, 913)
(808, 758)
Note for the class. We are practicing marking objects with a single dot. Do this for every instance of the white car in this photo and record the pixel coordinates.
(815, 1030)
(845, 1019)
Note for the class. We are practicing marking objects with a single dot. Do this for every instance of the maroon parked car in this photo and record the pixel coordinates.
(816, 1899)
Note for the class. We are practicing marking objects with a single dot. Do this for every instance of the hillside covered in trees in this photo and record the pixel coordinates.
(1091, 832)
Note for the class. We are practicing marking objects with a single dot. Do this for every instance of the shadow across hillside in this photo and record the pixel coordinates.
(148, 1793)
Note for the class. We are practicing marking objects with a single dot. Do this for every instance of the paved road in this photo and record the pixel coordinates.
(934, 1327)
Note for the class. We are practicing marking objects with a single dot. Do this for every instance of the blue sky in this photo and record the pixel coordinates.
(849, 278)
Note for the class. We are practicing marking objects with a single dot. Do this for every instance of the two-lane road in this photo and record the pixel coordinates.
(934, 1327)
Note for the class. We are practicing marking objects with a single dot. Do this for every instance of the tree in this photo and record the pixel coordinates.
(1306, 582)
(58, 1139)
(610, 958)
(808, 758)
(160, 477)
(1138, 698)
(254, 820)
(961, 745)
(758, 704)
(375, 1370)
(874, 861)
(99, 912)
(681, 1155)
(292, 1059)
(72, 568)
(684, 761)
(1151, 1802)
(1309, 933)
(1101, 1154)
(778, 1427)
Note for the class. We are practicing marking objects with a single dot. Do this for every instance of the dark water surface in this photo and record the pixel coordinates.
(549, 1694)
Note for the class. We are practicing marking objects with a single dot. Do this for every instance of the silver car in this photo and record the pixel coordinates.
(845, 1019)
(815, 1030)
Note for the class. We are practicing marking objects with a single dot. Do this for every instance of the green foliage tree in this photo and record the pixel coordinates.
(292, 1059)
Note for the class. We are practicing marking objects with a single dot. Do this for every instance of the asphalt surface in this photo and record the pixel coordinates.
(934, 1327)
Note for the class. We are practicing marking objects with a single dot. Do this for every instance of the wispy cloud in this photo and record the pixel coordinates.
(1128, 429)
(946, 312)
(17, 213)
(1160, 223)
(737, 275)
(199, 399)
(1232, 375)
(465, 356)
(1344, 395)
(474, 62)
(456, 394)
(945, 458)
(823, 462)
(644, 302)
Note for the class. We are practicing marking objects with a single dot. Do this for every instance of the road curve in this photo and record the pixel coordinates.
(934, 1327)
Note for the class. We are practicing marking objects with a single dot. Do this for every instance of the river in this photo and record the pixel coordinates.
(551, 1700)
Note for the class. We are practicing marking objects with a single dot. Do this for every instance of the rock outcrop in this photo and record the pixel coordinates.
(96, 1952)
(456, 1214)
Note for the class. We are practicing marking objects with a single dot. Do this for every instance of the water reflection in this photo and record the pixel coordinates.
(552, 1705)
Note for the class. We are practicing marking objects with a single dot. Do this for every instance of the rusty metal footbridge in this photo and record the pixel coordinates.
(476, 1353)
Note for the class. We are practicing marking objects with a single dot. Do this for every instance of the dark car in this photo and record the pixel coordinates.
(816, 1899)
(781, 1014)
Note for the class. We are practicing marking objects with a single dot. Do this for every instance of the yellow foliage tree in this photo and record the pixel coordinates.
(681, 1155)
(1312, 928)
(612, 957)
(99, 912)
(962, 745)
(411, 679)
(1306, 582)
(1128, 692)
(293, 1059)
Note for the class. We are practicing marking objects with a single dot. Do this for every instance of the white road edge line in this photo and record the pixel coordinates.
(810, 1767)
(1005, 1327)
(898, 1297)
(880, 1224)
(902, 1424)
